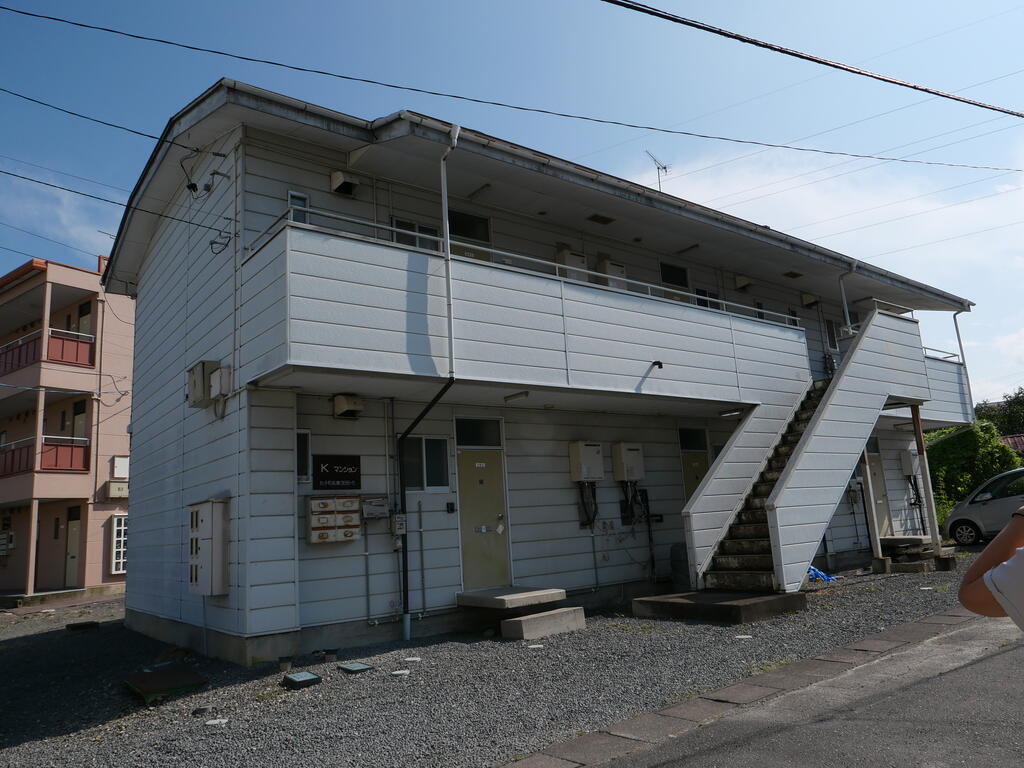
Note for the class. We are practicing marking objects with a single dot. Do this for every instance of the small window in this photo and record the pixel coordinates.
(63, 420)
(759, 314)
(466, 226)
(297, 200)
(78, 408)
(425, 464)
(119, 544)
(303, 460)
(427, 239)
(693, 440)
(708, 299)
(792, 318)
(673, 275)
(832, 335)
(478, 433)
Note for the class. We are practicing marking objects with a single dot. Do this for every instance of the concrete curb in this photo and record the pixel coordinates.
(648, 729)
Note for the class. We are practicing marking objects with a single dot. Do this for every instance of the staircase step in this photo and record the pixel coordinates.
(749, 546)
(763, 489)
(805, 414)
(752, 581)
(820, 385)
(538, 625)
(745, 547)
(751, 516)
(748, 531)
(778, 463)
(755, 502)
(799, 426)
(505, 598)
(771, 476)
(791, 438)
(758, 562)
(784, 450)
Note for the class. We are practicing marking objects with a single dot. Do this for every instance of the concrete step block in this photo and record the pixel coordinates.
(747, 562)
(745, 547)
(751, 531)
(749, 516)
(506, 598)
(544, 624)
(728, 607)
(740, 581)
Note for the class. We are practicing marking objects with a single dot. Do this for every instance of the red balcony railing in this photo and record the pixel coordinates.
(64, 454)
(70, 347)
(21, 352)
(17, 456)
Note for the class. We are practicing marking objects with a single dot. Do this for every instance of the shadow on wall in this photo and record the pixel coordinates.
(417, 318)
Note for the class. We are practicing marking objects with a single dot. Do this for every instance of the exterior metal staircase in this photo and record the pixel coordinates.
(743, 560)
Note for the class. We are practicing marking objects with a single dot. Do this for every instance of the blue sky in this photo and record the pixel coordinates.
(588, 57)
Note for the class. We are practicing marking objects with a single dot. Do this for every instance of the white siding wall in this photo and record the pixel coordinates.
(548, 547)
(182, 455)
(885, 360)
(951, 401)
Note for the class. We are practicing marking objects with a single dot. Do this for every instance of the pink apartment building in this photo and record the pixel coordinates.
(65, 406)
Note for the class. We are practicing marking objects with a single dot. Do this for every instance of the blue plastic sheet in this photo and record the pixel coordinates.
(816, 575)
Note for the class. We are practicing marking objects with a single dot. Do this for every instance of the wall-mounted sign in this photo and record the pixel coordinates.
(337, 473)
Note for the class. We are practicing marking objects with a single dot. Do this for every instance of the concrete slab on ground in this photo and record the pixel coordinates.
(544, 624)
(504, 598)
(713, 605)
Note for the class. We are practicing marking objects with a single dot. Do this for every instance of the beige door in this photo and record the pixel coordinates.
(71, 556)
(695, 466)
(482, 519)
(883, 519)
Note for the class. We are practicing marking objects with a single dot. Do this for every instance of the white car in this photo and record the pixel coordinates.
(986, 510)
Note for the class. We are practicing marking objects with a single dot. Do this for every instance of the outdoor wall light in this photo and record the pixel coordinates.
(731, 412)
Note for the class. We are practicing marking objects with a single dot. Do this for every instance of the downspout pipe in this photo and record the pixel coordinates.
(447, 240)
(403, 505)
(963, 359)
(842, 293)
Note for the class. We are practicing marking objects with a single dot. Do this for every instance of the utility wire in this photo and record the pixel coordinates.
(64, 173)
(946, 239)
(22, 253)
(487, 102)
(42, 237)
(107, 200)
(83, 116)
(632, 5)
(792, 85)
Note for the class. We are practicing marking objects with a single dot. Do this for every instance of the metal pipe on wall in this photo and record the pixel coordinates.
(963, 359)
(446, 237)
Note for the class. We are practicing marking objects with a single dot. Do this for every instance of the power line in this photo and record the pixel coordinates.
(15, 250)
(83, 116)
(64, 173)
(632, 5)
(897, 202)
(919, 213)
(107, 200)
(42, 237)
(783, 88)
(487, 102)
(947, 239)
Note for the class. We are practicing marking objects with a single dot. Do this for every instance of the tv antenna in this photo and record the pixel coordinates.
(662, 168)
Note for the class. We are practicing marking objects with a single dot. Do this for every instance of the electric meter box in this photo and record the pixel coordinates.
(375, 507)
(207, 547)
(586, 461)
(628, 461)
(334, 518)
(909, 462)
(199, 383)
(220, 383)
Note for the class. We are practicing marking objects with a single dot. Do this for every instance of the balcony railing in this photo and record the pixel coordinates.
(17, 456)
(364, 229)
(64, 454)
(70, 347)
(21, 352)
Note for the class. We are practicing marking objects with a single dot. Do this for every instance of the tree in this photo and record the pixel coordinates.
(962, 459)
(1008, 415)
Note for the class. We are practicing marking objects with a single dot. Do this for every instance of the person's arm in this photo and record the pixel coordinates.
(974, 592)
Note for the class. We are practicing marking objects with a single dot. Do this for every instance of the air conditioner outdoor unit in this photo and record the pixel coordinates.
(571, 259)
(347, 406)
(117, 489)
(614, 270)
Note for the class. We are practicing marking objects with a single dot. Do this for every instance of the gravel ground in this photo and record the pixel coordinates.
(470, 701)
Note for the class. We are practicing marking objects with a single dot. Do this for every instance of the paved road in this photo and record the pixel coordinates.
(956, 700)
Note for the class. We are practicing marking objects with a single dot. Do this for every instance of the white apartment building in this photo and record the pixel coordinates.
(581, 372)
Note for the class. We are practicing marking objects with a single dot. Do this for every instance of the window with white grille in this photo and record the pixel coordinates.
(119, 544)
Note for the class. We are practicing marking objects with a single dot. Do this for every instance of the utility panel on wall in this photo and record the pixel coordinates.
(207, 548)
(628, 461)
